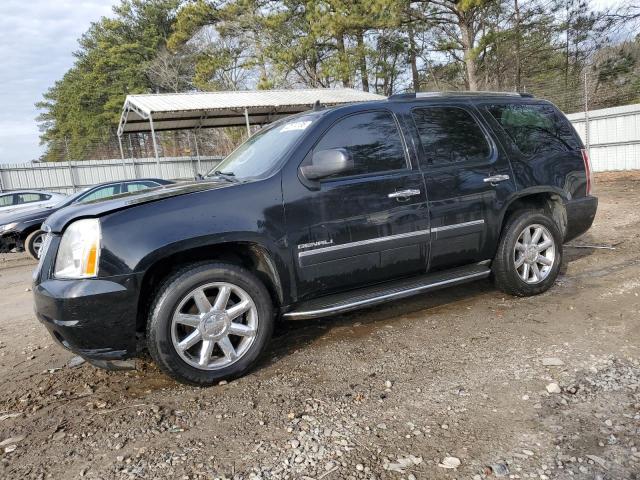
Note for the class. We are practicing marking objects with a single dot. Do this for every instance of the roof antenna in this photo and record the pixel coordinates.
(317, 106)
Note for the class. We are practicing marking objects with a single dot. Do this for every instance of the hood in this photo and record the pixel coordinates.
(98, 208)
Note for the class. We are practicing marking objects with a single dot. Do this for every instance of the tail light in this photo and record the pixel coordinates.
(587, 170)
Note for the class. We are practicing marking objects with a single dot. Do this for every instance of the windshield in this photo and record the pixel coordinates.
(260, 153)
(71, 198)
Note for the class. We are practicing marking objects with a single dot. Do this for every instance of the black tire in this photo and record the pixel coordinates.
(31, 242)
(168, 298)
(505, 274)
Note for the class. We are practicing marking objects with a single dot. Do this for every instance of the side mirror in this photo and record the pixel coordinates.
(326, 163)
(199, 176)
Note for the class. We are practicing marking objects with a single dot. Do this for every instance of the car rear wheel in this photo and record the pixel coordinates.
(529, 254)
(209, 322)
(33, 243)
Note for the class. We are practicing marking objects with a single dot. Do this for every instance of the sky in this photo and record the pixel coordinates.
(36, 49)
(38, 41)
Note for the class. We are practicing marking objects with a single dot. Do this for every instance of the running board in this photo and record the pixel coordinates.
(369, 296)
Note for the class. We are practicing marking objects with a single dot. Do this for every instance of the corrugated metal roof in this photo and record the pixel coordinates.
(219, 109)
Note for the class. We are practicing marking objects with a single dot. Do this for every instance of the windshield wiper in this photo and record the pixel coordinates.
(229, 176)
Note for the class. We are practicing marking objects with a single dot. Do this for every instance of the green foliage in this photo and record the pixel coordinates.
(191, 18)
(83, 108)
(617, 74)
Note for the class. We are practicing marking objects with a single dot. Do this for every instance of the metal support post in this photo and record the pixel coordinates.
(246, 118)
(155, 147)
(587, 133)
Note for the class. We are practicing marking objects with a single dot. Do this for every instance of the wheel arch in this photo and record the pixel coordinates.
(29, 230)
(251, 255)
(21, 236)
(548, 200)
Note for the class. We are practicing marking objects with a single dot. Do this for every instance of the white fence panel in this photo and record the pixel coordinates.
(614, 137)
(68, 177)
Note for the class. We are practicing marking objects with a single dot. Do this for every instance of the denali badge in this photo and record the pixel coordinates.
(315, 244)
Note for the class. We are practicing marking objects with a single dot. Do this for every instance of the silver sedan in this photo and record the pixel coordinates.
(21, 200)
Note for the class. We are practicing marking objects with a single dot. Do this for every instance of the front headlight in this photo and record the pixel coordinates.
(79, 251)
(7, 227)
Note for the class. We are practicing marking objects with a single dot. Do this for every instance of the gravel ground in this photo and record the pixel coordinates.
(464, 383)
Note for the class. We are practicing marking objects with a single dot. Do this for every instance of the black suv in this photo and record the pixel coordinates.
(318, 214)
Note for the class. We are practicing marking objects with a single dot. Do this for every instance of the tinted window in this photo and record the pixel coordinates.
(535, 128)
(450, 135)
(372, 139)
(136, 186)
(28, 197)
(101, 193)
(44, 197)
(6, 200)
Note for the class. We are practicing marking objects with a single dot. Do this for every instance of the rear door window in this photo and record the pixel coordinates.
(6, 200)
(535, 128)
(371, 138)
(28, 197)
(450, 135)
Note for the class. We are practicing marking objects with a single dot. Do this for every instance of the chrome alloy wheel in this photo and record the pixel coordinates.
(534, 253)
(214, 326)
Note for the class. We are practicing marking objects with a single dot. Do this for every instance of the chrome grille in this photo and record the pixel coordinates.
(43, 253)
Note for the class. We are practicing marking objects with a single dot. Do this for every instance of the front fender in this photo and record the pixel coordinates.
(264, 259)
(208, 242)
(137, 238)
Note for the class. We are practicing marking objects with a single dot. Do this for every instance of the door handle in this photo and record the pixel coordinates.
(496, 179)
(404, 193)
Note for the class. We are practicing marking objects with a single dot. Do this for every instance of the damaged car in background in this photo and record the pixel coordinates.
(22, 229)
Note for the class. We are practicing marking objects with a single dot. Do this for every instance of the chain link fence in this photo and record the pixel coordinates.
(198, 143)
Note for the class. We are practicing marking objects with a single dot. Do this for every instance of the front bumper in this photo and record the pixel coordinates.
(580, 215)
(95, 318)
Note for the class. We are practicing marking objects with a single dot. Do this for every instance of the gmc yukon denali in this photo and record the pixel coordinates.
(317, 214)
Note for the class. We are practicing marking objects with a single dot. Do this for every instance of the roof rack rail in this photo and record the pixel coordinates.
(407, 96)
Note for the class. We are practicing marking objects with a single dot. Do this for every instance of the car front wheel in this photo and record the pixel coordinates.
(529, 254)
(33, 243)
(209, 322)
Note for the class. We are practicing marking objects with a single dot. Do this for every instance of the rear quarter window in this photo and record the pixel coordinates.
(137, 186)
(536, 129)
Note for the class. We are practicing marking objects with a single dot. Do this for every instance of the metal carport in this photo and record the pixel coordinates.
(178, 111)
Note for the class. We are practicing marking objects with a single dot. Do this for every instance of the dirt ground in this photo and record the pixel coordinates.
(385, 393)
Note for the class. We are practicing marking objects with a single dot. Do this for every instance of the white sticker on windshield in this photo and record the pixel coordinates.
(296, 126)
